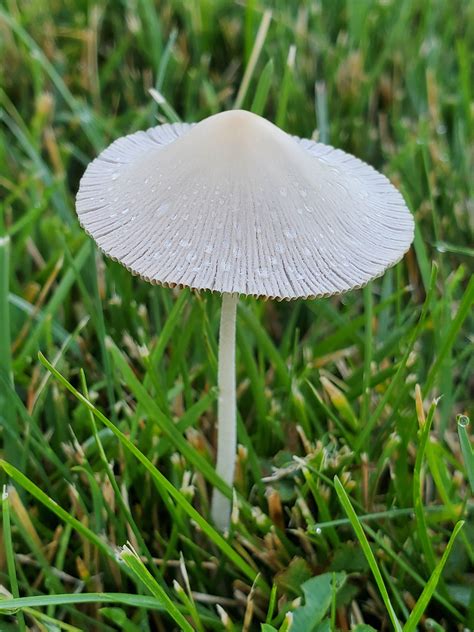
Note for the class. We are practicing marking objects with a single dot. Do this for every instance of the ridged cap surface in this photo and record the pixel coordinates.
(234, 204)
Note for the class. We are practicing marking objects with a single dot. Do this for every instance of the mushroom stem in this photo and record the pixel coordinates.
(226, 411)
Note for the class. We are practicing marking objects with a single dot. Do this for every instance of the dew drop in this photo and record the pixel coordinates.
(115, 175)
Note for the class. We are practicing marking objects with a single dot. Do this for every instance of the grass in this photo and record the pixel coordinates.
(351, 463)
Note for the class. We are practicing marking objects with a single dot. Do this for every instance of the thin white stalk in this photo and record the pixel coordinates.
(226, 411)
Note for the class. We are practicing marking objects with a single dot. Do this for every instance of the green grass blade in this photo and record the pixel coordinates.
(10, 555)
(263, 87)
(466, 448)
(285, 87)
(254, 56)
(368, 342)
(430, 587)
(364, 543)
(131, 559)
(463, 311)
(424, 435)
(38, 601)
(8, 417)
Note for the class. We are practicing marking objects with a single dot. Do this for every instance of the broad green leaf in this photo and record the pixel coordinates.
(317, 593)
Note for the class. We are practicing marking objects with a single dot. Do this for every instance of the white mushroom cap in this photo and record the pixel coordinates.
(234, 204)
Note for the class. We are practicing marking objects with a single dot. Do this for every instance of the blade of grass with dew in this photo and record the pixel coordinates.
(364, 543)
(430, 586)
(466, 448)
(439, 511)
(162, 481)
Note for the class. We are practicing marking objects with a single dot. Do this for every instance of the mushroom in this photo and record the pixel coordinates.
(235, 205)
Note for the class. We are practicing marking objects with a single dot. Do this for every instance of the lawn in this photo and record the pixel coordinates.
(353, 505)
